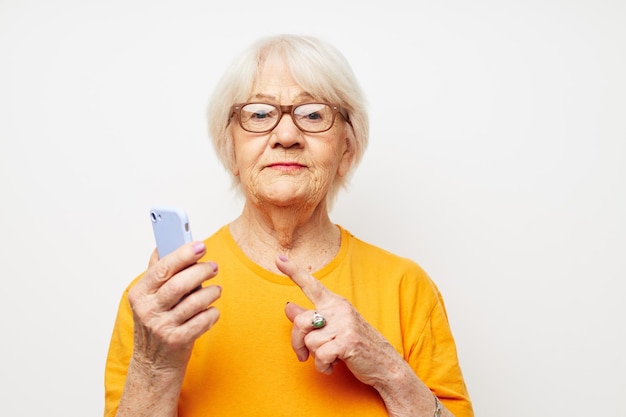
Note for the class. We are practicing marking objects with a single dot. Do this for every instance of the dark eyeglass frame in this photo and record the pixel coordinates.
(282, 110)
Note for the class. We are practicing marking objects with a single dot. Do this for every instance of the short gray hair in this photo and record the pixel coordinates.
(317, 66)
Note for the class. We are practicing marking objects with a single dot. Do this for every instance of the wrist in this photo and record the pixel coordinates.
(150, 391)
(155, 375)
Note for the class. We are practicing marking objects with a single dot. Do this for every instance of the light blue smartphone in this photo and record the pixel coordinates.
(171, 228)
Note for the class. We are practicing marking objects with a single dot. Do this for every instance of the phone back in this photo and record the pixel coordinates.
(171, 228)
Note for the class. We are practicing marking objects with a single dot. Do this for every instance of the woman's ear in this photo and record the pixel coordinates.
(347, 157)
(233, 167)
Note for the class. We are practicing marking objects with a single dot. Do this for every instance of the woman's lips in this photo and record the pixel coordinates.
(286, 166)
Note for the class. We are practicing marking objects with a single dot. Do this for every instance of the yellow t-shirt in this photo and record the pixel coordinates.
(244, 366)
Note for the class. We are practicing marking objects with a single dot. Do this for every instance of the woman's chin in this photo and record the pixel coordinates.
(289, 196)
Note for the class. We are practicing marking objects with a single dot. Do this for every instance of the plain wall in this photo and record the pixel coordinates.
(497, 161)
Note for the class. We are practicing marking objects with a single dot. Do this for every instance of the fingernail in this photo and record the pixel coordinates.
(282, 258)
(214, 265)
(198, 247)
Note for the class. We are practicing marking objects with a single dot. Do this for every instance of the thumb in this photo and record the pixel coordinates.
(154, 258)
(292, 310)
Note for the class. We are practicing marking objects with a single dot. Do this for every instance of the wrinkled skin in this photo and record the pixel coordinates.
(285, 175)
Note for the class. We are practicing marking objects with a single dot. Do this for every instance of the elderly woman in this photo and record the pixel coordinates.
(312, 320)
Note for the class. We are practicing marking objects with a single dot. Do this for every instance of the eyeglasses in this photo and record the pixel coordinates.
(308, 117)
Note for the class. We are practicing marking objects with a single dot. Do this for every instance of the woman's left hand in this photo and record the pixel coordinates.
(347, 336)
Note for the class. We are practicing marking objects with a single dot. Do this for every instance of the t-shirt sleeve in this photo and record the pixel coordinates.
(430, 348)
(118, 358)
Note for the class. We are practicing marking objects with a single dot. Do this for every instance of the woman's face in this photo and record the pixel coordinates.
(287, 166)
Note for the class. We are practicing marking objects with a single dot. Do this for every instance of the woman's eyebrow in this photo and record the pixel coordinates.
(270, 97)
(263, 97)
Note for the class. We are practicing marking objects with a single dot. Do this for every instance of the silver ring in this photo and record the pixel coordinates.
(318, 321)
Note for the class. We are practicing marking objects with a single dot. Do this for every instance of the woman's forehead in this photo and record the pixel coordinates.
(287, 82)
(275, 82)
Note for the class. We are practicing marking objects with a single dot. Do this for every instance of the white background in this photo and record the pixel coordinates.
(497, 161)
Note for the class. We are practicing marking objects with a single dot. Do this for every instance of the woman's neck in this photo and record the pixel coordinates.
(305, 235)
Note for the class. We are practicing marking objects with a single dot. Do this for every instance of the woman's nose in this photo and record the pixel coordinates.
(286, 133)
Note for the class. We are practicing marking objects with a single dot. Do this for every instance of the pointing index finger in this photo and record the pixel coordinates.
(311, 287)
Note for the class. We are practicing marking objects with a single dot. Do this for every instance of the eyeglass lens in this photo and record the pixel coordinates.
(310, 117)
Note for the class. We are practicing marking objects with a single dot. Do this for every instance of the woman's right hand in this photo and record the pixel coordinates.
(169, 312)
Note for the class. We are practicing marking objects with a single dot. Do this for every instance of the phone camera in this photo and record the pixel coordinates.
(153, 216)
